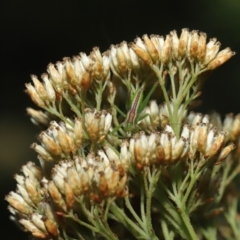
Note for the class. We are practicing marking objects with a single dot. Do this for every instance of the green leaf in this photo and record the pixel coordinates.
(120, 111)
(144, 103)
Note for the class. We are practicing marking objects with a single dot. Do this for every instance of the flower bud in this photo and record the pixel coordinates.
(201, 47)
(51, 227)
(33, 189)
(64, 142)
(33, 229)
(175, 44)
(49, 88)
(70, 198)
(50, 145)
(212, 49)
(165, 141)
(56, 76)
(221, 58)
(38, 117)
(224, 153)
(183, 41)
(31, 91)
(194, 44)
(122, 61)
(56, 196)
(37, 221)
(165, 53)
(42, 152)
(126, 51)
(18, 203)
(39, 88)
(141, 53)
(160, 154)
(216, 145)
(178, 149)
(151, 48)
(74, 181)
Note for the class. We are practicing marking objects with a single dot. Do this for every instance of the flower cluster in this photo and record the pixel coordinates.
(121, 153)
(64, 140)
(190, 45)
(83, 72)
(157, 117)
(165, 148)
(92, 179)
(29, 206)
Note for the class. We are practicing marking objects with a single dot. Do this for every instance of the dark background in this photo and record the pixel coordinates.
(36, 32)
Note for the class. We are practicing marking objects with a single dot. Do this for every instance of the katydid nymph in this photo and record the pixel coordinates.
(138, 103)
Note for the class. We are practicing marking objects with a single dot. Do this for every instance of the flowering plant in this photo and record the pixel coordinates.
(121, 156)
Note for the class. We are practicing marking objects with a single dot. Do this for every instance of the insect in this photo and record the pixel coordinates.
(134, 110)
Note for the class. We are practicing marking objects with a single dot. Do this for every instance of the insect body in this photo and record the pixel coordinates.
(138, 103)
(132, 114)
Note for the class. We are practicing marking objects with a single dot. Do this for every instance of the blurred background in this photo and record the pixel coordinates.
(36, 32)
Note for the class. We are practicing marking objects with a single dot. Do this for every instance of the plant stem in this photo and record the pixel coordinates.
(153, 178)
(98, 96)
(72, 105)
(53, 111)
(99, 227)
(232, 219)
(191, 233)
(127, 222)
(167, 235)
(169, 211)
(162, 85)
(90, 227)
(130, 208)
(181, 202)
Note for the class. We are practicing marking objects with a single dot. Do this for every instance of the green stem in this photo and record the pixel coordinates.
(59, 106)
(90, 227)
(194, 177)
(65, 235)
(72, 105)
(181, 203)
(183, 185)
(96, 222)
(233, 175)
(83, 97)
(53, 111)
(193, 204)
(142, 205)
(175, 121)
(190, 83)
(127, 222)
(169, 212)
(115, 119)
(98, 96)
(130, 208)
(209, 232)
(127, 81)
(170, 195)
(171, 74)
(167, 235)
(79, 235)
(152, 179)
(162, 85)
(105, 219)
(232, 219)
(148, 209)
(191, 233)
(226, 179)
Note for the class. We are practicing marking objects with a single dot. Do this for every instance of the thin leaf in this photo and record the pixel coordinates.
(120, 111)
(146, 100)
